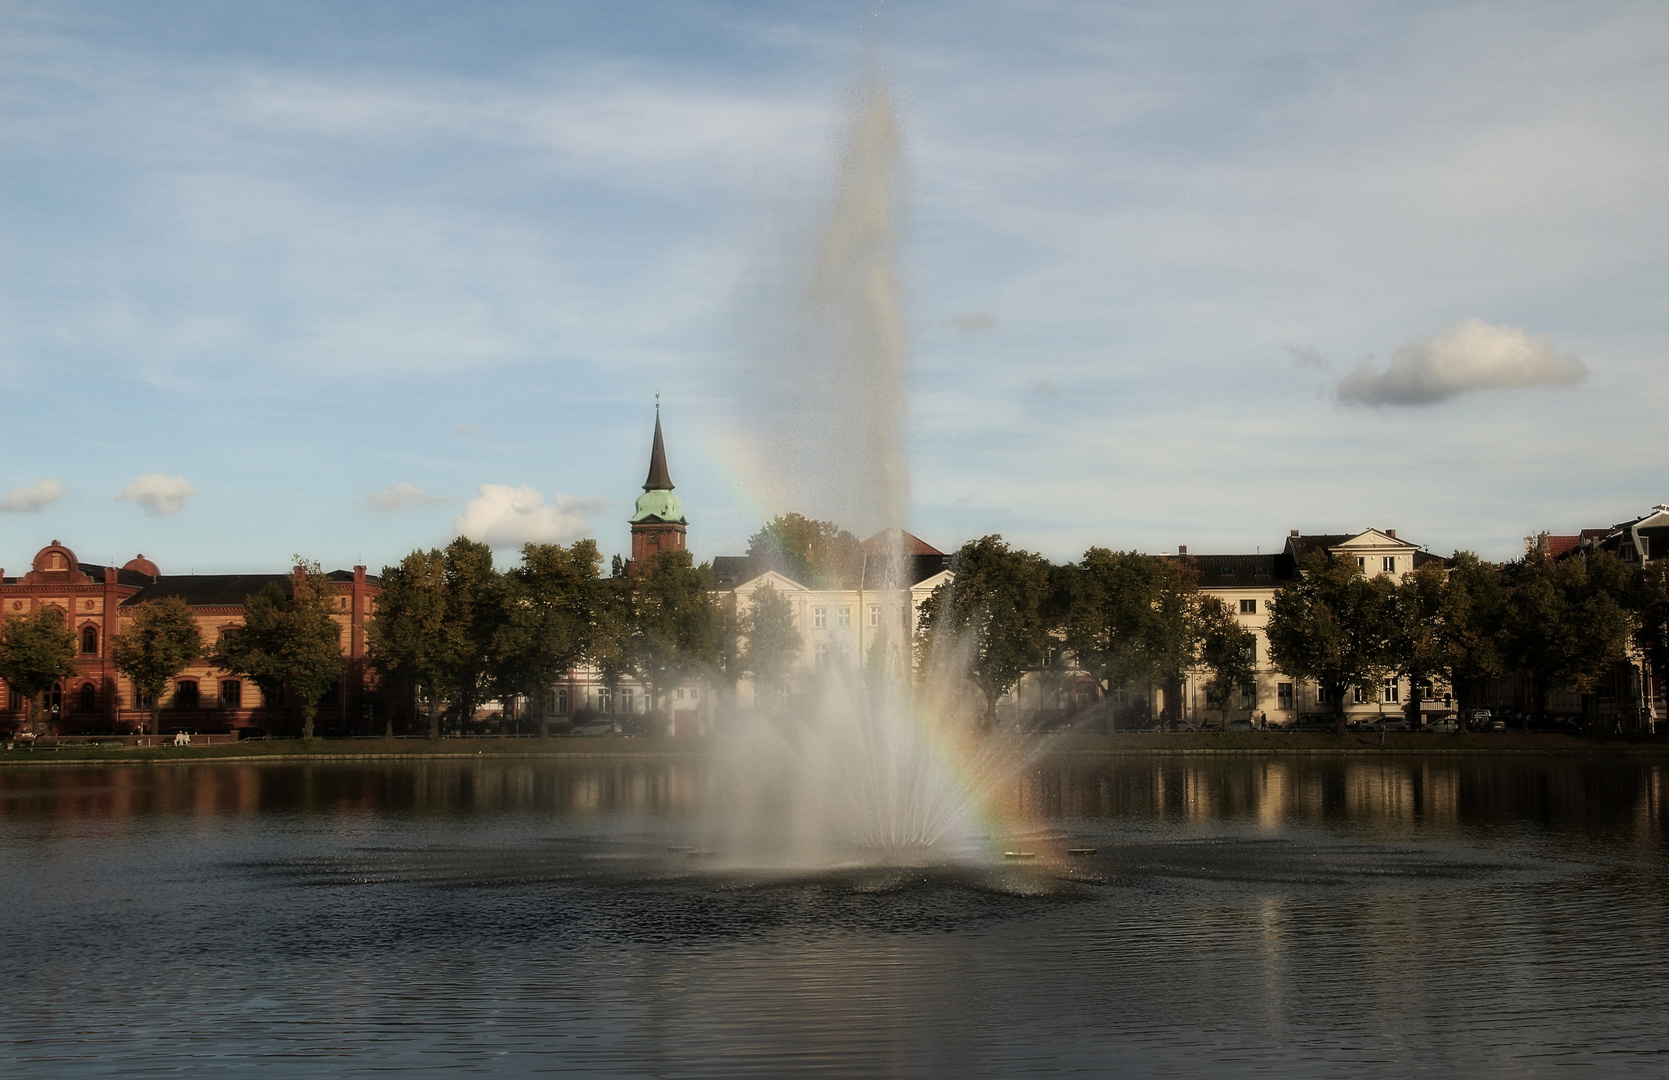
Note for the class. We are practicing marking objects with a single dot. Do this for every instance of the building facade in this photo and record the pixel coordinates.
(97, 600)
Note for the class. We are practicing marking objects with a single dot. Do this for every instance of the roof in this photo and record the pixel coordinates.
(730, 571)
(659, 479)
(908, 542)
(224, 590)
(1240, 571)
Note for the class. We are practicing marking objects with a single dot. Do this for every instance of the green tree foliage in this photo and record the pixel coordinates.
(1566, 624)
(989, 619)
(674, 623)
(474, 608)
(1225, 649)
(545, 625)
(817, 554)
(1453, 625)
(1131, 618)
(1335, 626)
(407, 637)
(158, 642)
(289, 644)
(35, 652)
(771, 643)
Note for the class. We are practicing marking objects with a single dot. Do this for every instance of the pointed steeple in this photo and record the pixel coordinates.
(659, 479)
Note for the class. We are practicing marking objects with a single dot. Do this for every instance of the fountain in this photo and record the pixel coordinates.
(870, 767)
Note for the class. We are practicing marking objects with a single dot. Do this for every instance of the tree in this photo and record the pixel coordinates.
(1466, 624)
(408, 635)
(1226, 649)
(157, 644)
(674, 622)
(1333, 625)
(546, 623)
(289, 645)
(990, 616)
(35, 652)
(1566, 625)
(1132, 618)
(817, 554)
(771, 641)
(474, 609)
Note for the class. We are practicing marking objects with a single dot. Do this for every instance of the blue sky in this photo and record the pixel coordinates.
(341, 279)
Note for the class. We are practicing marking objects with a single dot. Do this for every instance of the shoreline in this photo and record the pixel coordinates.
(604, 748)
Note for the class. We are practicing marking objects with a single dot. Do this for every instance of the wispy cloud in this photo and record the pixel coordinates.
(32, 498)
(1469, 356)
(506, 516)
(157, 493)
(403, 494)
(973, 322)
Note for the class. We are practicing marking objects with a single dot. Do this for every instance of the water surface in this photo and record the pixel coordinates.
(1244, 916)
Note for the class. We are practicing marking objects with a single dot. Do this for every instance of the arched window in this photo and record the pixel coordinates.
(89, 697)
(89, 640)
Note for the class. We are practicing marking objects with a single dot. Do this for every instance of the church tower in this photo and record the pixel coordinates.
(658, 523)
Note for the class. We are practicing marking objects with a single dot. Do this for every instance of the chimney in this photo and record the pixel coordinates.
(1293, 533)
(1392, 533)
(359, 574)
(1182, 549)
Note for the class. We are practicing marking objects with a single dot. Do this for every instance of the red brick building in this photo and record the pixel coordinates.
(95, 600)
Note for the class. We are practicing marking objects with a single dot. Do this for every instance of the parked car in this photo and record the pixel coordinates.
(1445, 726)
(1239, 725)
(1389, 723)
(594, 727)
(1479, 719)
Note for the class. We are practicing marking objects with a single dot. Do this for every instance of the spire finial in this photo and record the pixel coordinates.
(658, 480)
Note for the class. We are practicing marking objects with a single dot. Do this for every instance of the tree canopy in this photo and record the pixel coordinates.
(289, 644)
(158, 642)
(1335, 626)
(988, 620)
(36, 651)
(546, 624)
(1131, 617)
(817, 554)
(771, 643)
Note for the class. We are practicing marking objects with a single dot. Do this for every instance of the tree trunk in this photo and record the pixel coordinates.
(1338, 709)
(544, 716)
(434, 718)
(307, 712)
(1413, 703)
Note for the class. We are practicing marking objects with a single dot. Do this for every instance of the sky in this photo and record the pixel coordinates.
(344, 280)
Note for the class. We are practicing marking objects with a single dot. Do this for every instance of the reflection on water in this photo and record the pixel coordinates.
(1303, 916)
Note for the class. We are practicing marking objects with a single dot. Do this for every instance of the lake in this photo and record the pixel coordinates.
(1246, 915)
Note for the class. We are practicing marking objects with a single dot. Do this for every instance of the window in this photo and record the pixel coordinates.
(231, 694)
(562, 701)
(185, 694)
(1252, 650)
(875, 614)
(819, 617)
(625, 701)
(1283, 696)
(89, 697)
(1392, 691)
(605, 700)
(695, 693)
(1323, 696)
(89, 640)
(680, 693)
(845, 617)
(1249, 696)
(1359, 695)
(1362, 562)
(1248, 607)
(1388, 564)
(1225, 571)
(821, 654)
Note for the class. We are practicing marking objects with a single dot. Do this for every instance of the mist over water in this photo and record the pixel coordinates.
(825, 407)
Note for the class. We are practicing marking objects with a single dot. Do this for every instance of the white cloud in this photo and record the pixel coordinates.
(32, 498)
(400, 495)
(506, 516)
(1470, 355)
(157, 493)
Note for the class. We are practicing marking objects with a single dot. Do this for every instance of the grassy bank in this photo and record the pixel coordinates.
(1139, 743)
(351, 750)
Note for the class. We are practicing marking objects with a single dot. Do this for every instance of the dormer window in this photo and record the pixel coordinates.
(1226, 571)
